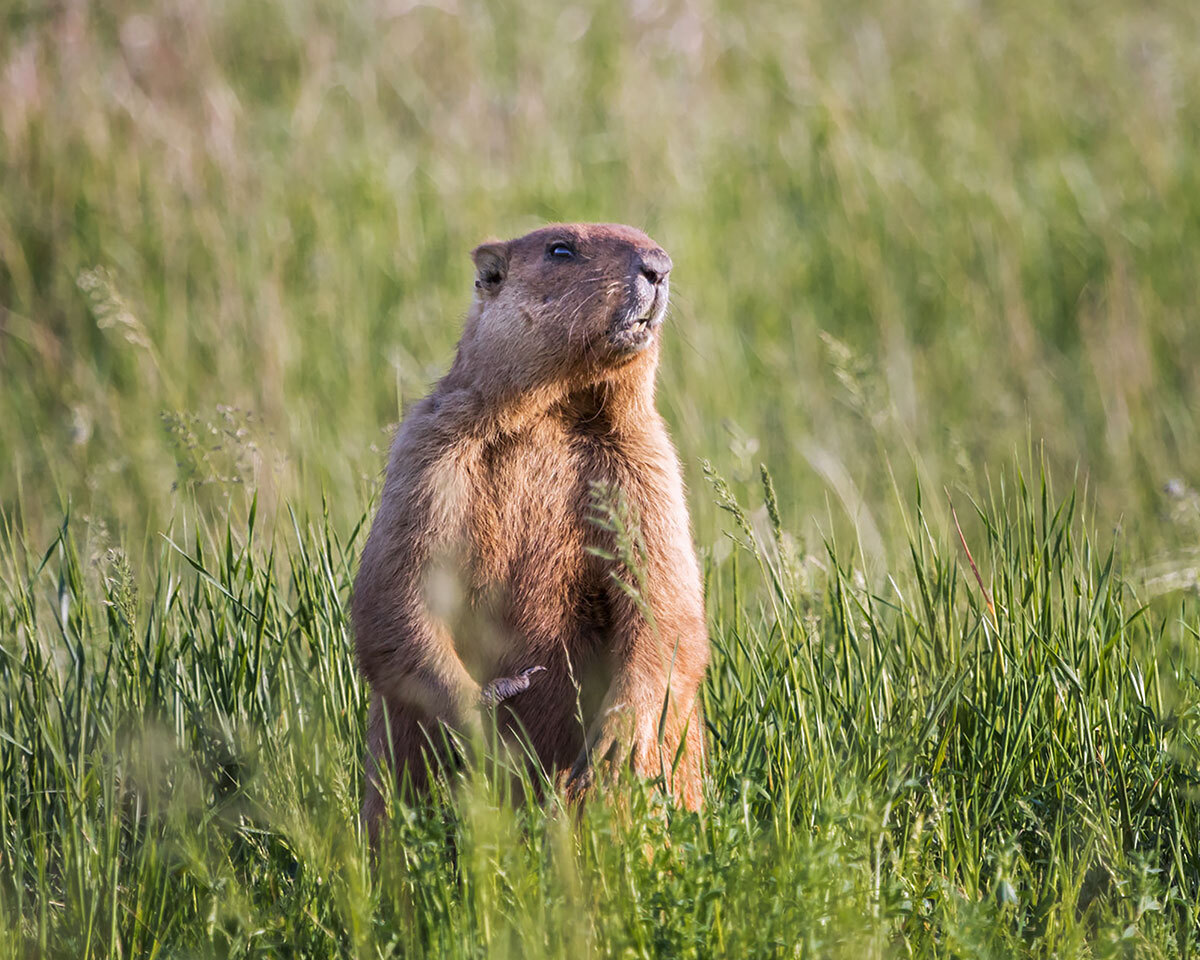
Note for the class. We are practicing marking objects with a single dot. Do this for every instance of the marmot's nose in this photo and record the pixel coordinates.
(654, 264)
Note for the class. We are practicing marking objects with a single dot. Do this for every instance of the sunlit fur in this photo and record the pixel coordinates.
(480, 561)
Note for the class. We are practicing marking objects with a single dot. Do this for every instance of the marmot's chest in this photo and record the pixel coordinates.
(531, 515)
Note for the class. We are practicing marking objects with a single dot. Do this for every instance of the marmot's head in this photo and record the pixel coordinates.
(579, 295)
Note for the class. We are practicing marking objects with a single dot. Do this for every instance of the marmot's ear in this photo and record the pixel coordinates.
(491, 265)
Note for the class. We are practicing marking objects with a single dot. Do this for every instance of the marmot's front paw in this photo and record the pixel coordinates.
(502, 688)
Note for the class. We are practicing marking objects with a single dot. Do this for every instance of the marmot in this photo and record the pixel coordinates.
(486, 576)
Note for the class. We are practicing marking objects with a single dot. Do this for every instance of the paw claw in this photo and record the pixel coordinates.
(502, 688)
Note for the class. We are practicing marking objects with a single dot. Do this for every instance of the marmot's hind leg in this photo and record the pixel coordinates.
(396, 762)
(687, 785)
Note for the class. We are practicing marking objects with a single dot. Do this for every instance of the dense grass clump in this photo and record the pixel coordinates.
(898, 767)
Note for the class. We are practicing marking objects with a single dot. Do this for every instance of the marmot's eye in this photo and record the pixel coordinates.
(560, 251)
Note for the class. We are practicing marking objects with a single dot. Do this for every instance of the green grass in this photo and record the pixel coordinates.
(892, 770)
(923, 250)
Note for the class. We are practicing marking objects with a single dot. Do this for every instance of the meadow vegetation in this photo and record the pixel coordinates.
(927, 253)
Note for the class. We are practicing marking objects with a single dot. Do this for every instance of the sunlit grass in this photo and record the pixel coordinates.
(892, 768)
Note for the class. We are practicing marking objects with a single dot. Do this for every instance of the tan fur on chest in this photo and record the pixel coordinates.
(450, 494)
(515, 531)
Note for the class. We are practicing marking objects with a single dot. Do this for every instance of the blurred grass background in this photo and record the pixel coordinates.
(921, 234)
(920, 246)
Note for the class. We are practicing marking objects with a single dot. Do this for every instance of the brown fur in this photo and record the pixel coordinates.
(480, 562)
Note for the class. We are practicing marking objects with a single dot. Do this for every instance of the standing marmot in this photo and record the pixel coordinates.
(485, 559)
